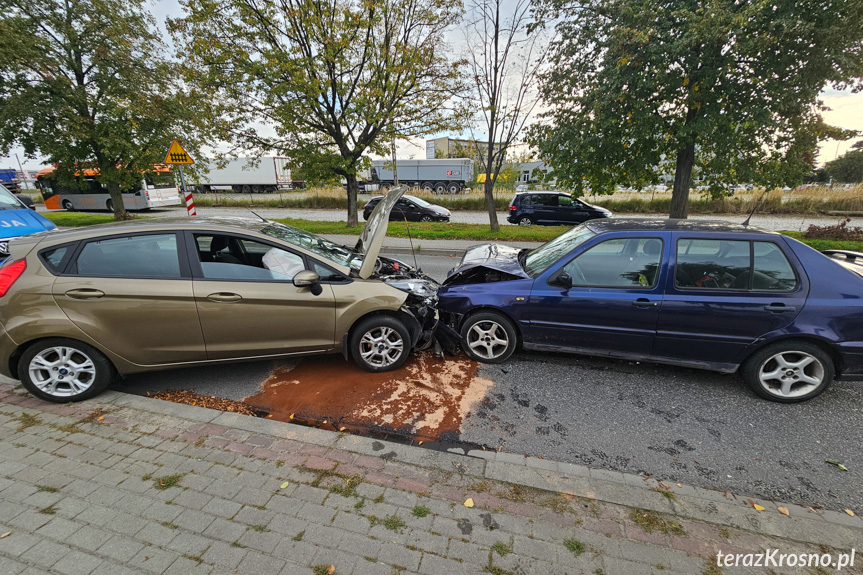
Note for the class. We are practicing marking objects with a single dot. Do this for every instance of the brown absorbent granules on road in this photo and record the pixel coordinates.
(425, 397)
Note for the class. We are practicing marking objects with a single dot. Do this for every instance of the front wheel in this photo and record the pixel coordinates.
(426, 218)
(789, 372)
(489, 337)
(380, 343)
(61, 370)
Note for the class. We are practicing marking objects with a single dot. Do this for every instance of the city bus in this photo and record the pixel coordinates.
(155, 190)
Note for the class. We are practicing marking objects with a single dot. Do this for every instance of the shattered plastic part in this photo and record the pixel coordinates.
(492, 258)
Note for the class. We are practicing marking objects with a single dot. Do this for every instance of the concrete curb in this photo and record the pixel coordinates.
(802, 524)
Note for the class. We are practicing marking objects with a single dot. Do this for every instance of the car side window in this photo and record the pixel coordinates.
(146, 256)
(712, 264)
(771, 270)
(225, 257)
(621, 262)
(54, 258)
(565, 201)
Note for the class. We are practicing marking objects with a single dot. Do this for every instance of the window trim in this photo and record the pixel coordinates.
(197, 271)
(748, 289)
(656, 282)
(71, 269)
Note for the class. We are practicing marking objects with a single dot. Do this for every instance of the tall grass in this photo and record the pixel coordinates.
(806, 201)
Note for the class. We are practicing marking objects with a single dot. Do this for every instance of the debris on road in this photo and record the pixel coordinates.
(189, 397)
(836, 463)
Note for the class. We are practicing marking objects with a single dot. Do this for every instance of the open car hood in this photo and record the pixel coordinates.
(373, 234)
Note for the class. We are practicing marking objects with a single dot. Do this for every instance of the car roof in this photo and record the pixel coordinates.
(670, 224)
(542, 192)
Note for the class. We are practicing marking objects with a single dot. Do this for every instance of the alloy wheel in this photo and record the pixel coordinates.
(381, 346)
(791, 374)
(62, 371)
(487, 339)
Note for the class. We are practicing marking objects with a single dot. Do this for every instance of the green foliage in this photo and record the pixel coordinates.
(848, 168)
(726, 91)
(331, 79)
(420, 511)
(575, 546)
(83, 84)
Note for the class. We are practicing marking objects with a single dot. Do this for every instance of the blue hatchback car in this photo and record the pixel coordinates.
(16, 219)
(710, 295)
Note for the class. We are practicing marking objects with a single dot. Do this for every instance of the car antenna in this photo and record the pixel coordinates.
(263, 219)
(416, 265)
(755, 207)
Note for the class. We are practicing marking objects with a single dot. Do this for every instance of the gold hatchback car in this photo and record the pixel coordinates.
(79, 306)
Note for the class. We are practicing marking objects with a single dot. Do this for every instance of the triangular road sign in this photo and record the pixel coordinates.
(177, 155)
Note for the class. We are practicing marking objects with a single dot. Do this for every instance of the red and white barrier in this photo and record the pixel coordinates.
(190, 203)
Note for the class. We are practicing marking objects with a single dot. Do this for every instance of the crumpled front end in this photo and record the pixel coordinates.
(422, 299)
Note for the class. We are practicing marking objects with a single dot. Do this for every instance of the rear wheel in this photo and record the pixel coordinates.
(453, 188)
(440, 188)
(789, 372)
(489, 337)
(427, 186)
(109, 205)
(525, 221)
(67, 205)
(62, 370)
(380, 343)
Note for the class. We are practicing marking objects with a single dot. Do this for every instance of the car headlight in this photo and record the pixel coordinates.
(421, 288)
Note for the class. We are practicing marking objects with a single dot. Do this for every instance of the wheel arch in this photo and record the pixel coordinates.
(821, 343)
(410, 322)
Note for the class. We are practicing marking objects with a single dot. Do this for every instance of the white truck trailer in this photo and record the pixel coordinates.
(244, 176)
(447, 175)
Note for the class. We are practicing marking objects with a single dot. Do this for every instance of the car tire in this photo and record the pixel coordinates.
(789, 372)
(68, 206)
(109, 205)
(88, 371)
(525, 221)
(489, 337)
(375, 331)
(426, 218)
(439, 188)
(427, 186)
(453, 188)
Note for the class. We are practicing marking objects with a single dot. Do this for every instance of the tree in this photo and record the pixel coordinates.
(726, 87)
(847, 168)
(82, 83)
(329, 79)
(505, 58)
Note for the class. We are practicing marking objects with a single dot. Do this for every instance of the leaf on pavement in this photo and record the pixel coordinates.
(755, 505)
(284, 485)
(784, 511)
(331, 569)
(836, 463)
(468, 502)
(8, 533)
(848, 511)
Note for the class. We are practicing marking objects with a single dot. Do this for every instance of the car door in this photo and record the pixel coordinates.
(247, 302)
(404, 209)
(132, 294)
(612, 305)
(570, 211)
(724, 294)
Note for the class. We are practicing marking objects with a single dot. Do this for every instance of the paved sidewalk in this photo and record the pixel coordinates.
(126, 484)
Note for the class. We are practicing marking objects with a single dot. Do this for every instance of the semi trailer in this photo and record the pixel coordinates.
(245, 175)
(441, 176)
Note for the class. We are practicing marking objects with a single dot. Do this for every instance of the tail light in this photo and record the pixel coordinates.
(513, 208)
(9, 274)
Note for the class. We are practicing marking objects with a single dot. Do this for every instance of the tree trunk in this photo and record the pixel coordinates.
(683, 173)
(489, 203)
(353, 188)
(117, 201)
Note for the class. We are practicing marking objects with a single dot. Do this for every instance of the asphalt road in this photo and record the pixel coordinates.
(677, 424)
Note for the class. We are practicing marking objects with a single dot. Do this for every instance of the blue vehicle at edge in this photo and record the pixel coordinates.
(710, 295)
(16, 219)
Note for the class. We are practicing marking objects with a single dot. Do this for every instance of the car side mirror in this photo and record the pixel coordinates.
(310, 280)
(563, 279)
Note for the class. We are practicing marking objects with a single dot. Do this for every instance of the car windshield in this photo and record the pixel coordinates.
(341, 255)
(8, 201)
(419, 201)
(538, 260)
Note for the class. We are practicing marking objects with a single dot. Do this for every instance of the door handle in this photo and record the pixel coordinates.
(642, 302)
(85, 293)
(224, 297)
(778, 307)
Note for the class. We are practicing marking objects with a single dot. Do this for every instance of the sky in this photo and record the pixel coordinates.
(845, 111)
